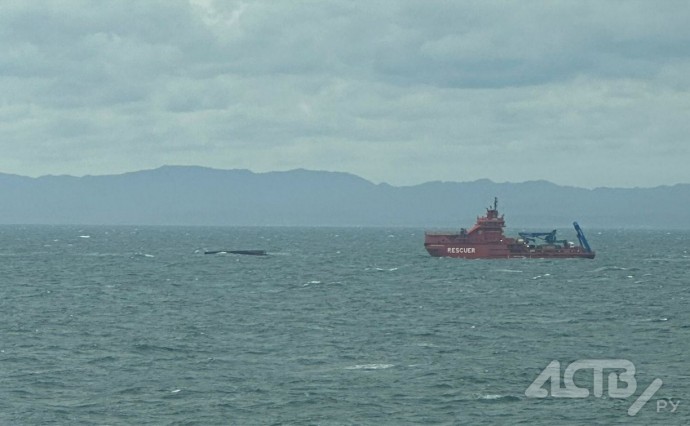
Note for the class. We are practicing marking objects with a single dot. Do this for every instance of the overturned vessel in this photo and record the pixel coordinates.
(485, 240)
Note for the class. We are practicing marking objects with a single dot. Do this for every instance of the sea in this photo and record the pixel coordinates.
(337, 326)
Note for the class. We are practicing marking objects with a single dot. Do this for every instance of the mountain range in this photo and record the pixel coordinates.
(191, 195)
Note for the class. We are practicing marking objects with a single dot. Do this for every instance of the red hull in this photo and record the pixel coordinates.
(485, 240)
(502, 251)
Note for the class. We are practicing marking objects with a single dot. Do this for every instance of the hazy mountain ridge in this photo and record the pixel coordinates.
(192, 195)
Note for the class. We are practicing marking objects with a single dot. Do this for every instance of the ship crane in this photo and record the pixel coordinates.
(581, 237)
(549, 237)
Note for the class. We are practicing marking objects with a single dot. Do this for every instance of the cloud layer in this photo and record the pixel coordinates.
(579, 93)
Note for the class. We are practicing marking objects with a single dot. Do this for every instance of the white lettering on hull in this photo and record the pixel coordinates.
(461, 250)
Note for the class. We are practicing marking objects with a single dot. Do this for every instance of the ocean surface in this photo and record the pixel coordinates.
(135, 325)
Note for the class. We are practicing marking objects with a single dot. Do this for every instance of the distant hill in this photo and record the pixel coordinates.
(183, 195)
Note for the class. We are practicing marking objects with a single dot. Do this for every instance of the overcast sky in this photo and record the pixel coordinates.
(579, 93)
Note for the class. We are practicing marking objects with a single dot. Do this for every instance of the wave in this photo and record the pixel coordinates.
(135, 255)
(370, 367)
(609, 268)
(490, 398)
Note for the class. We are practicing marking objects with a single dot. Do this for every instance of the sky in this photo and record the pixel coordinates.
(581, 93)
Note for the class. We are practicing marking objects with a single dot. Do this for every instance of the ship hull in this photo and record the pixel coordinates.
(502, 251)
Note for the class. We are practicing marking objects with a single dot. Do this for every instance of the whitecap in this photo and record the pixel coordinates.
(85, 236)
(491, 396)
(609, 268)
(498, 398)
(143, 255)
(370, 366)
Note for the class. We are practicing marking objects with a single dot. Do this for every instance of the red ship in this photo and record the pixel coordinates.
(485, 240)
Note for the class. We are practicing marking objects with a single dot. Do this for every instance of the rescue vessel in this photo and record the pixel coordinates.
(485, 240)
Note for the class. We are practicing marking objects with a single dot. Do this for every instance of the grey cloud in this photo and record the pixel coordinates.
(395, 91)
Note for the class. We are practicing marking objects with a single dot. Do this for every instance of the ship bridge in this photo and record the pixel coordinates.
(490, 227)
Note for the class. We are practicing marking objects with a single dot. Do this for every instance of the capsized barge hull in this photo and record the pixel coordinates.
(485, 240)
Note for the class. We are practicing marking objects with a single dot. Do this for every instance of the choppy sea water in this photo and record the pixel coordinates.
(126, 325)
